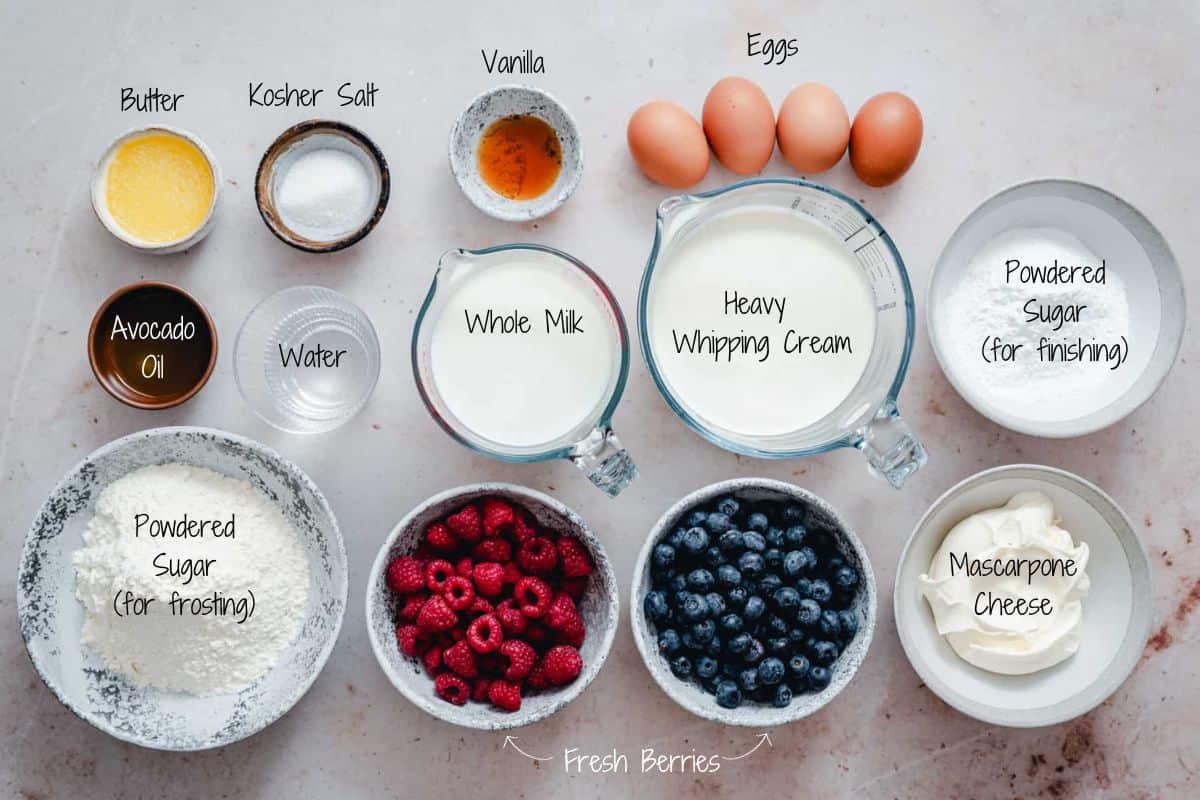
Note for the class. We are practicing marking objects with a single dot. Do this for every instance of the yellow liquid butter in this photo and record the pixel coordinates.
(159, 187)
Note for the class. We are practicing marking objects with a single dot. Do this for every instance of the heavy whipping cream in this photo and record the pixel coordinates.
(1007, 587)
(524, 351)
(761, 322)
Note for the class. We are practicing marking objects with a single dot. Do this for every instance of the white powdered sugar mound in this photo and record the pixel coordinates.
(198, 653)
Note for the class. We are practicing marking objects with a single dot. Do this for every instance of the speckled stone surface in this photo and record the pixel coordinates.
(1103, 92)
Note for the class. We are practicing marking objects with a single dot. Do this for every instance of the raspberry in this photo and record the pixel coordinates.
(504, 695)
(410, 640)
(519, 659)
(512, 573)
(452, 689)
(480, 606)
(537, 635)
(412, 607)
(464, 566)
(522, 530)
(497, 516)
(533, 596)
(432, 659)
(492, 550)
(436, 573)
(439, 537)
(562, 664)
(479, 692)
(484, 634)
(511, 619)
(537, 555)
(461, 659)
(576, 563)
(574, 588)
(405, 575)
(489, 578)
(466, 524)
(537, 677)
(490, 663)
(459, 592)
(436, 616)
(573, 631)
(561, 610)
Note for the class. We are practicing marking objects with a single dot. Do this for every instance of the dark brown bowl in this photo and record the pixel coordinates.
(186, 364)
(294, 136)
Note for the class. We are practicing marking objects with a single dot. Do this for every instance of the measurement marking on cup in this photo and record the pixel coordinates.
(851, 236)
(864, 244)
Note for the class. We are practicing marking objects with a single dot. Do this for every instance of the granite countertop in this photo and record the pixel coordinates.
(1008, 93)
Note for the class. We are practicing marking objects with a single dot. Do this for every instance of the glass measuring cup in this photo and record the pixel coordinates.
(867, 418)
(583, 433)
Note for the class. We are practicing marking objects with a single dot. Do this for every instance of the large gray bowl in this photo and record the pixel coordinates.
(600, 608)
(51, 619)
(750, 714)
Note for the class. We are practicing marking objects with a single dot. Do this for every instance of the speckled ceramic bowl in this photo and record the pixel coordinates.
(751, 714)
(504, 101)
(51, 619)
(600, 608)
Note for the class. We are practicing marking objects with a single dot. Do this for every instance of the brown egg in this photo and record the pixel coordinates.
(668, 144)
(885, 138)
(813, 128)
(740, 125)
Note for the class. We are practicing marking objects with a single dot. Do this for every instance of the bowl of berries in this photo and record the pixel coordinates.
(491, 606)
(753, 602)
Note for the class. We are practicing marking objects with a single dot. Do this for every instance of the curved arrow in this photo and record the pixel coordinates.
(511, 741)
(762, 737)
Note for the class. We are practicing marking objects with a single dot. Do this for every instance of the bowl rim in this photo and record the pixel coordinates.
(1076, 427)
(339, 550)
(1141, 611)
(671, 685)
(171, 401)
(426, 700)
(505, 209)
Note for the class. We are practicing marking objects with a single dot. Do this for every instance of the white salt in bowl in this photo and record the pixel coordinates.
(1113, 230)
(51, 619)
(599, 606)
(1116, 613)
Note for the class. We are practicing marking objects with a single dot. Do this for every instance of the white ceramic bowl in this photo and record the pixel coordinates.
(100, 206)
(599, 606)
(1114, 230)
(51, 619)
(1116, 612)
(751, 714)
(504, 101)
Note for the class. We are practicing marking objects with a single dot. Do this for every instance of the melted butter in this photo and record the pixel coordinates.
(159, 187)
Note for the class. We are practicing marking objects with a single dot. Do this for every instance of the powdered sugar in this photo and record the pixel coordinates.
(262, 567)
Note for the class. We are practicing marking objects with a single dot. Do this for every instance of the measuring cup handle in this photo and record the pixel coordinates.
(891, 447)
(605, 461)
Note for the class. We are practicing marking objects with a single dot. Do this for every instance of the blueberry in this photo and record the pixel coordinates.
(690, 645)
(794, 536)
(728, 575)
(818, 678)
(695, 540)
(728, 506)
(715, 647)
(798, 668)
(821, 591)
(797, 635)
(730, 541)
(773, 559)
(728, 695)
(717, 523)
(849, 623)
(793, 514)
(709, 684)
(700, 580)
(750, 563)
(774, 537)
(663, 556)
(834, 563)
(782, 697)
(697, 517)
(748, 679)
(787, 600)
(845, 577)
(681, 666)
(714, 557)
(778, 645)
(758, 522)
(830, 625)
(756, 651)
(754, 541)
(824, 653)
(668, 641)
(808, 612)
(754, 608)
(704, 631)
(793, 563)
(775, 626)
(770, 671)
(804, 587)
(694, 607)
(655, 606)
(810, 558)
(678, 598)
(768, 584)
(737, 645)
(736, 597)
(731, 624)
(716, 604)
(706, 667)
(678, 583)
